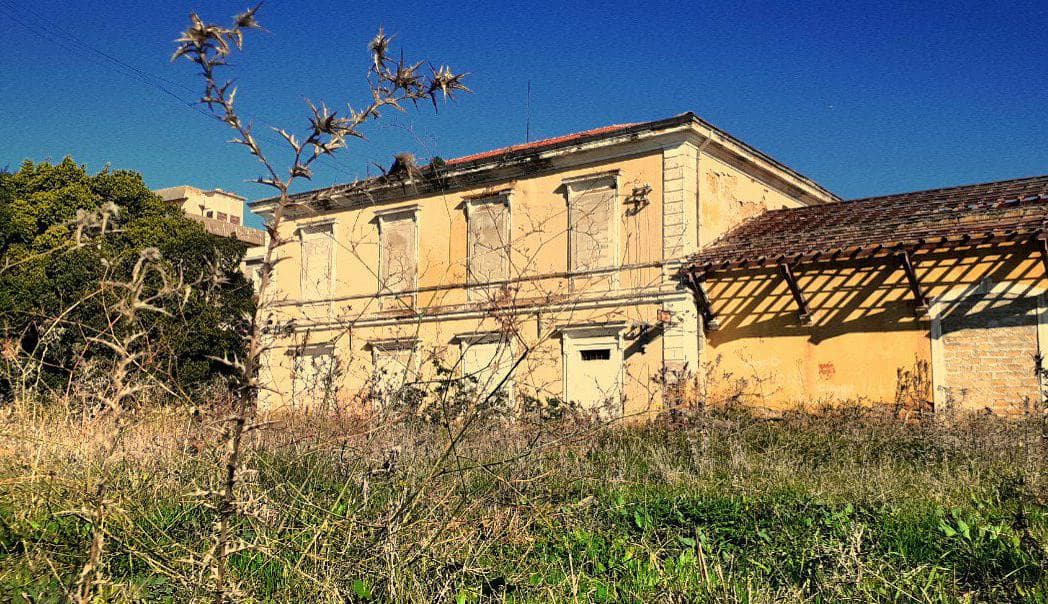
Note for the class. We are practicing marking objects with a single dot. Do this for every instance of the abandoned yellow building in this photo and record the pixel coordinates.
(603, 266)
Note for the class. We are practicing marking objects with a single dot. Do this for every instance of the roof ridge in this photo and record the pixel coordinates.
(948, 188)
(490, 158)
(540, 142)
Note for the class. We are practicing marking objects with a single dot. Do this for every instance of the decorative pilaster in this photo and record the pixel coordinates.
(680, 172)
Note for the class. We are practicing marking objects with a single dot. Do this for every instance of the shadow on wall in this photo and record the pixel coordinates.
(858, 298)
(866, 328)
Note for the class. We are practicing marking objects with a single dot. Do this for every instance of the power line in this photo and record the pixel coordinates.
(46, 30)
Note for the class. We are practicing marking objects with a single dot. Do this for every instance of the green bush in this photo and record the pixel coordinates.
(45, 278)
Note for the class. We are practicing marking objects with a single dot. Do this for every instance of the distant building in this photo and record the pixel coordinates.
(222, 214)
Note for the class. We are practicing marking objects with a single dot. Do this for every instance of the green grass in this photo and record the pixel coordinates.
(849, 506)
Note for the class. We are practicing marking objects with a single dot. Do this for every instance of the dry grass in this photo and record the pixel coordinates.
(725, 507)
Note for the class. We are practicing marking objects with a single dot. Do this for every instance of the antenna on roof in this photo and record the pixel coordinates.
(527, 122)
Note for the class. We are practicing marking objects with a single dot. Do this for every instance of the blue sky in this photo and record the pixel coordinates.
(865, 98)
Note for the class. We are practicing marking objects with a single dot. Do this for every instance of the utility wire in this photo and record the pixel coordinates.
(74, 44)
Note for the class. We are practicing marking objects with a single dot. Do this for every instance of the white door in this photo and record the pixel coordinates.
(593, 370)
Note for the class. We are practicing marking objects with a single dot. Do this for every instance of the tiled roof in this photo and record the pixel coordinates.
(539, 144)
(873, 226)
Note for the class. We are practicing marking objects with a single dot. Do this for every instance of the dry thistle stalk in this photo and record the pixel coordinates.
(391, 83)
(133, 296)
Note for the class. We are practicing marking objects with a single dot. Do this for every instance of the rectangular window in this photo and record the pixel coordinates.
(602, 354)
(234, 219)
(394, 365)
(318, 262)
(222, 216)
(487, 362)
(591, 206)
(314, 383)
(398, 253)
(488, 240)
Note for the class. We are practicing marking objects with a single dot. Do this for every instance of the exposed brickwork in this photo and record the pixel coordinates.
(989, 349)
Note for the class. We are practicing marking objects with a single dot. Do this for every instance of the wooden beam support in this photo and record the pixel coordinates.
(803, 312)
(702, 302)
(1042, 245)
(920, 301)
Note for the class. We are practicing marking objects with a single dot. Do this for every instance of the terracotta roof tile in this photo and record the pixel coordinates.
(879, 225)
(535, 145)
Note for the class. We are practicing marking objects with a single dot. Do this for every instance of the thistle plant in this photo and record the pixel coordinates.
(392, 83)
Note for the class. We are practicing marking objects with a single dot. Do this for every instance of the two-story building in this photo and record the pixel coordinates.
(598, 267)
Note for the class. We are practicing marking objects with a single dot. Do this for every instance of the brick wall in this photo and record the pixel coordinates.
(989, 347)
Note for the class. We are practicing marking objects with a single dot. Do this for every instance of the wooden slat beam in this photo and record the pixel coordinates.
(803, 312)
(1042, 245)
(920, 301)
(702, 302)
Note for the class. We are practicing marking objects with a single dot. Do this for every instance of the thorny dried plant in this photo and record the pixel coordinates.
(147, 289)
(392, 82)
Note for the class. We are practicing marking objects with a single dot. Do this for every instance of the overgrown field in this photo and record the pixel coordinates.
(849, 505)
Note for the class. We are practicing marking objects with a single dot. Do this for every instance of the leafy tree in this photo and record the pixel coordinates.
(53, 280)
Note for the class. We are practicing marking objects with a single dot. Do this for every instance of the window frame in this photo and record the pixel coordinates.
(573, 187)
(383, 218)
(467, 340)
(378, 347)
(321, 349)
(472, 205)
(314, 230)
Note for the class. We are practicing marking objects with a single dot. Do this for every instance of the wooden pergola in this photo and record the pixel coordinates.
(891, 230)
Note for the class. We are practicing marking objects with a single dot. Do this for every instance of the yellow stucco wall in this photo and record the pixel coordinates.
(864, 330)
(729, 195)
(543, 298)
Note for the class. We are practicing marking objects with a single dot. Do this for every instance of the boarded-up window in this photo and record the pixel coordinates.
(591, 212)
(488, 240)
(394, 367)
(487, 362)
(318, 260)
(314, 378)
(398, 252)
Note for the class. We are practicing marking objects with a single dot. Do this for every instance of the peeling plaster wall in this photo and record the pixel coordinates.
(728, 195)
